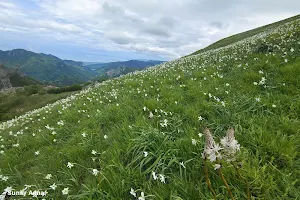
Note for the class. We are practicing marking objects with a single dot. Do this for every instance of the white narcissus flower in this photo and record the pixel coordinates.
(48, 176)
(95, 172)
(70, 165)
(105, 137)
(4, 178)
(142, 197)
(65, 191)
(132, 192)
(53, 186)
(94, 152)
(145, 154)
(154, 176)
(162, 178)
(151, 115)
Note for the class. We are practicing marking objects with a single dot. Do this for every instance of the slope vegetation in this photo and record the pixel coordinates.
(140, 135)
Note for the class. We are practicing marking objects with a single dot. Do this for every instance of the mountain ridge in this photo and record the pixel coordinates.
(51, 69)
(45, 67)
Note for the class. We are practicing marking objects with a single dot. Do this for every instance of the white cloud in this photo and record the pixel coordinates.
(171, 28)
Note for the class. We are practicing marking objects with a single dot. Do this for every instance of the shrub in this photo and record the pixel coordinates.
(31, 89)
(263, 48)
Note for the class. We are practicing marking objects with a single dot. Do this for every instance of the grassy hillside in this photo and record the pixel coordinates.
(241, 36)
(13, 105)
(46, 68)
(142, 134)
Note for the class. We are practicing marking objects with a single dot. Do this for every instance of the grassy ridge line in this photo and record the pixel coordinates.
(241, 36)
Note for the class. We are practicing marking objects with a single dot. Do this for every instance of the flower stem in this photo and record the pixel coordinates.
(225, 182)
(246, 182)
(208, 180)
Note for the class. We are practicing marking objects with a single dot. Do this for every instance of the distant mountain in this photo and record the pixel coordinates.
(46, 68)
(90, 63)
(53, 70)
(113, 69)
(14, 78)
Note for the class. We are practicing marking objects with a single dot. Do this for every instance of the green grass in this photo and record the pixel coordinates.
(13, 105)
(114, 118)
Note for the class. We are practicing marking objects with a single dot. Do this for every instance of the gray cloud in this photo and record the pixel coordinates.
(172, 28)
(156, 31)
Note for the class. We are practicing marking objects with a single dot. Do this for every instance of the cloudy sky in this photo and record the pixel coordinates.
(110, 30)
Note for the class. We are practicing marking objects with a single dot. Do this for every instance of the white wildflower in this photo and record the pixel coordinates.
(53, 186)
(65, 191)
(211, 148)
(154, 176)
(217, 166)
(70, 165)
(151, 115)
(145, 154)
(95, 172)
(48, 176)
(230, 144)
(142, 197)
(194, 142)
(132, 192)
(94, 152)
(162, 178)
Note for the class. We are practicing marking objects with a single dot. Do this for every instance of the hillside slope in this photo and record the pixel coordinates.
(46, 68)
(141, 134)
